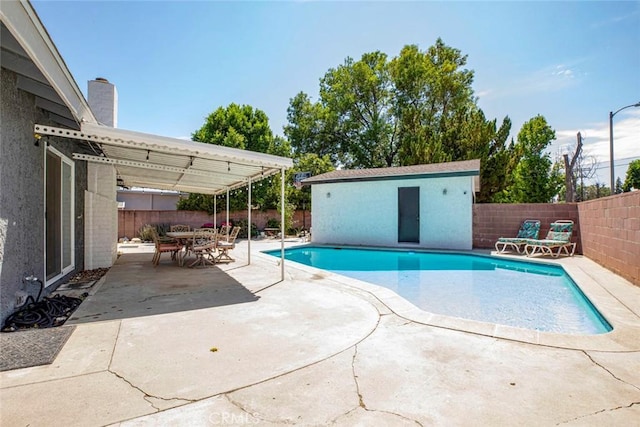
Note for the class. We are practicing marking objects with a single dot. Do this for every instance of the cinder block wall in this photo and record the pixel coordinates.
(491, 221)
(611, 233)
(130, 221)
(100, 217)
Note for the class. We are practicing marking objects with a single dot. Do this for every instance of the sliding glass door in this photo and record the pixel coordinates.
(59, 208)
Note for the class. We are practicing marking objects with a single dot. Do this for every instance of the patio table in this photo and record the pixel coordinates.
(183, 238)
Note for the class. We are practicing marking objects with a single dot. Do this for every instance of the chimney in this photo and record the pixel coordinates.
(103, 100)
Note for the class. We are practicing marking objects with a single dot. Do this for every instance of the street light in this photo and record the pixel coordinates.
(611, 114)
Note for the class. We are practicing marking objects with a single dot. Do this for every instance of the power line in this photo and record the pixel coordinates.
(618, 163)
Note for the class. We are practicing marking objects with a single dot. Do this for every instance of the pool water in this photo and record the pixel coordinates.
(484, 288)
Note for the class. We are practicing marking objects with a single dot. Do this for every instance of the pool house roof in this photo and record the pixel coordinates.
(433, 170)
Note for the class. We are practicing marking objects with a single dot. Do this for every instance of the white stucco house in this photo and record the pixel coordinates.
(425, 206)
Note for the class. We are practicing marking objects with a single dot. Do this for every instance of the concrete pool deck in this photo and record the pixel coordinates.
(317, 349)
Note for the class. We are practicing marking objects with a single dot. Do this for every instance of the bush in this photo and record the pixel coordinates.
(272, 223)
(242, 223)
(146, 231)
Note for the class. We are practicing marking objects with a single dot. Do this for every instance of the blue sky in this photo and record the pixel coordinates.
(176, 62)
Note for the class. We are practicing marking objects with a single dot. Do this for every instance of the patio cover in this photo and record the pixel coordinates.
(146, 160)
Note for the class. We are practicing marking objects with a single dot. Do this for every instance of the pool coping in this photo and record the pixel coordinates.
(624, 337)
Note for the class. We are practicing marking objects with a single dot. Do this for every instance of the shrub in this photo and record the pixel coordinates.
(272, 223)
(242, 223)
(146, 231)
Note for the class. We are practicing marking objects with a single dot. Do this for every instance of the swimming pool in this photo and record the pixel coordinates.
(484, 288)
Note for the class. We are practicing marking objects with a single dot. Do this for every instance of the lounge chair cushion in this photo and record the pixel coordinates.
(529, 229)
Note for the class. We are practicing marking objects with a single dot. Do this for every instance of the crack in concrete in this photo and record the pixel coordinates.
(149, 395)
(609, 372)
(599, 412)
(355, 378)
(147, 299)
(399, 416)
(361, 403)
(255, 414)
(146, 395)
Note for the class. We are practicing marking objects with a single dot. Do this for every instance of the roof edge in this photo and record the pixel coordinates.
(394, 177)
(472, 168)
(23, 22)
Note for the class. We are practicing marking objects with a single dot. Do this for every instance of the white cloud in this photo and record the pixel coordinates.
(626, 143)
(616, 19)
(562, 71)
(548, 79)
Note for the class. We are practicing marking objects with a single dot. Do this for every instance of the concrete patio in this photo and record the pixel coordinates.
(234, 345)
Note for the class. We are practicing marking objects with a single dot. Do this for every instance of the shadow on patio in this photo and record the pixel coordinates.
(133, 287)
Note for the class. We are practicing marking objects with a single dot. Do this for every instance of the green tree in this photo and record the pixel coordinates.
(632, 179)
(313, 164)
(245, 128)
(534, 179)
(496, 161)
(310, 128)
(594, 191)
(416, 108)
(357, 95)
(434, 99)
(619, 186)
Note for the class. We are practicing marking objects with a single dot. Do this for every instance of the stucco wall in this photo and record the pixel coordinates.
(21, 185)
(22, 193)
(366, 213)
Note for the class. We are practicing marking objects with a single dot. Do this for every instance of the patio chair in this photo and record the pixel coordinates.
(203, 246)
(165, 246)
(180, 227)
(529, 229)
(224, 246)
(558, 240)
(224, 231)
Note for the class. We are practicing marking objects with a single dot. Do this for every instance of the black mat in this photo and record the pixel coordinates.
(32, 347)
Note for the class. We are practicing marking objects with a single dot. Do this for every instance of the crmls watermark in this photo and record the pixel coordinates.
(228, 418)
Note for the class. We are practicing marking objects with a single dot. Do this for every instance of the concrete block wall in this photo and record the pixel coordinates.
(130, 221)
(101, 217)
(491, 221)
(611, 233)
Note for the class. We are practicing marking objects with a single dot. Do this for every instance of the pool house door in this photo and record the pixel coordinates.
(409, 215)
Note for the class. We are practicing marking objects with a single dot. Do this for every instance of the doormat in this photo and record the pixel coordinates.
(32, 347)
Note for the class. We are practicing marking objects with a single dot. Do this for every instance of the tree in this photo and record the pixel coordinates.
(240, 127)
(434, 100)
(416, 108)
(632, 179)
(619, 186)
(357, 96)
(310, 128)
(299, 198)
(481, 140)
(594, 191)
(534, 179)
(314, 164)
